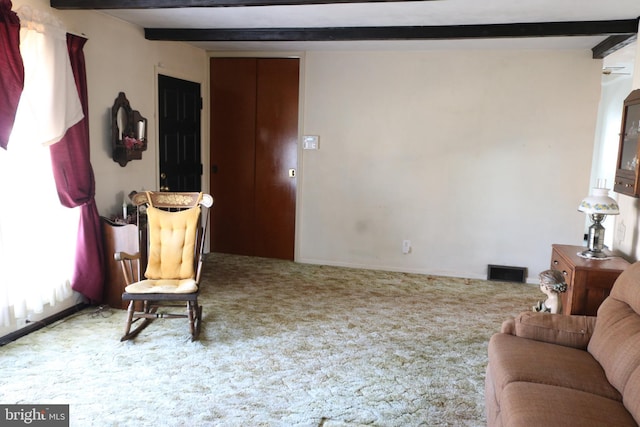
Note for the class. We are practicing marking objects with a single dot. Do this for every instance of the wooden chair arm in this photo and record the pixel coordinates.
(121, 256)
(130, 264)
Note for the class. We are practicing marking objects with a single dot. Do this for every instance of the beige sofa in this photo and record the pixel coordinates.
(557, 370)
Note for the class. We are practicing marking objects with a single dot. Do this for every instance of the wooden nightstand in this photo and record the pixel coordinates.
(116, 238)
(588, 281)
(119, 238)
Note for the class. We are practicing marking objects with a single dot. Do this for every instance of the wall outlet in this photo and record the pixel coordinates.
(406, 246)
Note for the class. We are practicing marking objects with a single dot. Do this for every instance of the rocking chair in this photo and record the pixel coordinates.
(172, 277)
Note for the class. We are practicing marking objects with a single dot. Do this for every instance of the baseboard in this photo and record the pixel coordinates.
(34, 326)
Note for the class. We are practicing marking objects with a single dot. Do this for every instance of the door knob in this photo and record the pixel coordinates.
(163, 175)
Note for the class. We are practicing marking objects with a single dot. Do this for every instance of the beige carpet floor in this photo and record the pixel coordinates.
(283, 344)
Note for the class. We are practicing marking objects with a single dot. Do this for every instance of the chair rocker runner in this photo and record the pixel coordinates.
(175, 252)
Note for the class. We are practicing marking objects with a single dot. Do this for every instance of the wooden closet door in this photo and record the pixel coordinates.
(276, 157)
(233, 108)
(254, 132)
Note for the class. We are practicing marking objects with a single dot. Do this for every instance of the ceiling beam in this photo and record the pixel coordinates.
(620, 32)
(540, 29)
(177, 4)
(611, 44)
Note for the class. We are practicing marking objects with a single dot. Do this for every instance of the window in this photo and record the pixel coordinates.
(37, 234)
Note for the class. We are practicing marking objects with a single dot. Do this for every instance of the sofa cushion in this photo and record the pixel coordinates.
(627, 287)
(491, 405)
(533, 404)
(515, 359)
(616, 346)
(570, 331)
(631, 397)
(616, 339)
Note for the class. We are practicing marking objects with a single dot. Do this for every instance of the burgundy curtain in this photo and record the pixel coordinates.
(76, 185)
(11, 70)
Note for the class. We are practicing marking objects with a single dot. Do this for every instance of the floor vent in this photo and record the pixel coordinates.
(503, 273)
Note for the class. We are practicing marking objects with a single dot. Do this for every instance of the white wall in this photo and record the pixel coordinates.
(478, 157)
(629, 217)
(605, 154)
(119, 59)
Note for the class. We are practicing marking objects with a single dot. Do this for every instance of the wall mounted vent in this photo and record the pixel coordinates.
(504, 273)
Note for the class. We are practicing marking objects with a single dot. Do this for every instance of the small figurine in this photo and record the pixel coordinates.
(552, 284)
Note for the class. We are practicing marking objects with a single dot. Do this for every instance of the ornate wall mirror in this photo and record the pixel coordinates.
(128, 131)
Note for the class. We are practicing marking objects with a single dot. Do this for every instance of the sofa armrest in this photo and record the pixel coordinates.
(569, 331)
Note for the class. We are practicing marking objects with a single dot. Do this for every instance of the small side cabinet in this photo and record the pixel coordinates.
(589, 281)
(626, 181)
(118, 238)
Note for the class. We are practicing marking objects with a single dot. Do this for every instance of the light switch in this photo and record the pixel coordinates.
(311, 142)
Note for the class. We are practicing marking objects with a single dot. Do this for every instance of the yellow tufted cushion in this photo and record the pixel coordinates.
(172, 239)
(163, 286)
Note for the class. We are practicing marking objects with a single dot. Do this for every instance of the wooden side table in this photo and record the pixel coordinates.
(117, 238)
(589, 281)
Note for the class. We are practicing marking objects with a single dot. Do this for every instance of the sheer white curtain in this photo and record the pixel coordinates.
(37, 234)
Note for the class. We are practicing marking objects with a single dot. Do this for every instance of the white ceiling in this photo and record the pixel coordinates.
(414, 13)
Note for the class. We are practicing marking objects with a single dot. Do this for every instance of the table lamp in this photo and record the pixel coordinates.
(597, 205)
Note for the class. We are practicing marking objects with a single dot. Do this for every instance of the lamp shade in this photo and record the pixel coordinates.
(599, 202)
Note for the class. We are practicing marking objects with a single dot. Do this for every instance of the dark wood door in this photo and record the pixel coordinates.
(276, 157)
(179, 106)
(254, 128)
(233, 107)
